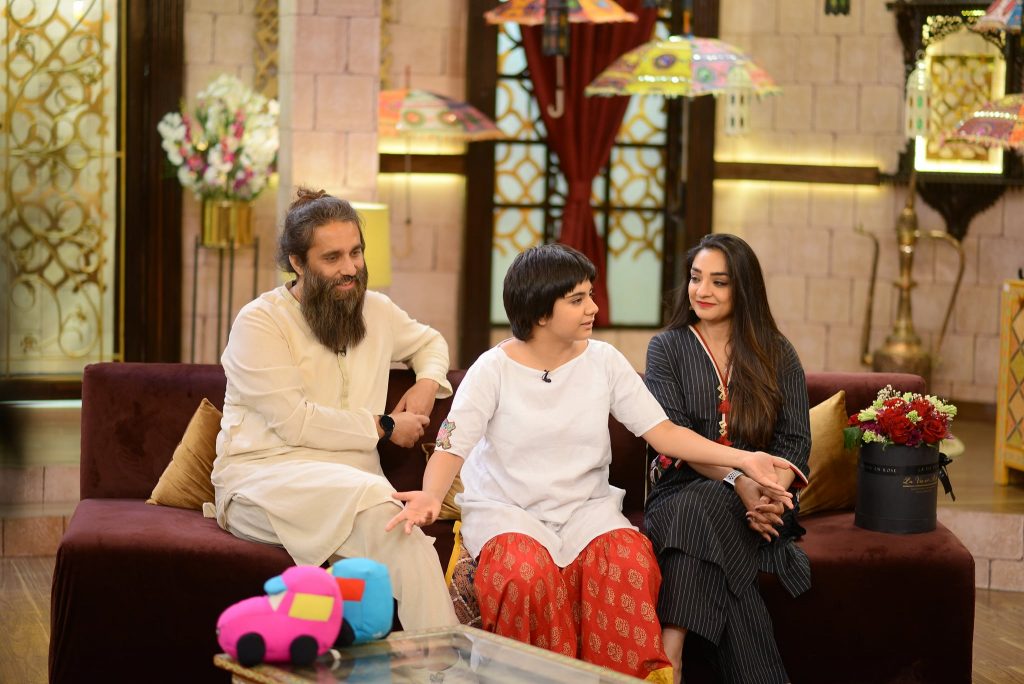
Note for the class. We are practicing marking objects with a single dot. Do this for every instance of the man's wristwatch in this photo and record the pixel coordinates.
(731, 478)
(387, 424)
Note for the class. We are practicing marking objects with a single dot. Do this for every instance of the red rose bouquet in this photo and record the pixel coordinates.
(901, 418)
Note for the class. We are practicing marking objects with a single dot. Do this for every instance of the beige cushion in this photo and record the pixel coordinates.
(449, 509)
(185, 482)
(833, 483)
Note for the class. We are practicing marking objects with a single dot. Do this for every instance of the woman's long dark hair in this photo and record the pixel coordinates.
(756, 342)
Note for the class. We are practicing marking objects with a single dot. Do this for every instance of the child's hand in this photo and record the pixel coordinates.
(420, 509)
(760, 467)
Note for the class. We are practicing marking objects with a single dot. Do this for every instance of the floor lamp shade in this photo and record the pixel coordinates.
(377, 234)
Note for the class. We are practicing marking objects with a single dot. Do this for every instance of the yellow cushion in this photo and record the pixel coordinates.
(449, 509)
(833, 483)
(185, 482)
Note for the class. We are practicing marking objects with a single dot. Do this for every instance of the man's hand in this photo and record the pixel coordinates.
(408, 428)
(419, 398)
(420, 509)
(762, 513)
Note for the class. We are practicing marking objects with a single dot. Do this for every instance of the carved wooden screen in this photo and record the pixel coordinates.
(59, 163)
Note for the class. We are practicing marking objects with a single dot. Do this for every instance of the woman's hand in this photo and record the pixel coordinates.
(760, 467)
(420, 509)
(762, 514)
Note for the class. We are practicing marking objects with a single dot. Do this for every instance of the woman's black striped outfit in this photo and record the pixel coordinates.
(709, 556)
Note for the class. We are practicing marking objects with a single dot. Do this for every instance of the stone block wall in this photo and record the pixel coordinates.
(842, 80)
(220, 37)
(329, 78)
(426, 49)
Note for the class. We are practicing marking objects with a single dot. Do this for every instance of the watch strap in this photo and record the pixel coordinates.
(387, 424)
(731, 478)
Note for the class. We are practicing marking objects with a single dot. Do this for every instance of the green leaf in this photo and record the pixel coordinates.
(851, 437)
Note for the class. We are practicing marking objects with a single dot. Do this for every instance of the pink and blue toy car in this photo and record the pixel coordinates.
(298, 620)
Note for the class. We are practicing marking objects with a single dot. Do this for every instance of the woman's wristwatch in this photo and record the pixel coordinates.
(731, 478)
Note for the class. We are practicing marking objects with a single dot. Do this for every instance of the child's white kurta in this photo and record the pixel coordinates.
(537, 453)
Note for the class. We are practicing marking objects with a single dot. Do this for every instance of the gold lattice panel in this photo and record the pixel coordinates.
(1009, 448)
(58, 170)
(960, 85)
(633, 233)
(265, 52)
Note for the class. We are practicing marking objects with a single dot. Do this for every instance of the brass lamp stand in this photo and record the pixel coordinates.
(903, 351)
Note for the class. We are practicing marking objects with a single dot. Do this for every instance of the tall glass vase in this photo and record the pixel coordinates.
(226, 222)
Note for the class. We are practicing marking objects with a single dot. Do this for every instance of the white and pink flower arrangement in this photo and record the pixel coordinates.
(226, 147)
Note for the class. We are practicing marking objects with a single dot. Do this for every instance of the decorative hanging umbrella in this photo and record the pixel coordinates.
(556, 15)
(999, 123)
(1001, 15)
(682, 66)
(687, 66)
(411, 112)
(531, 12)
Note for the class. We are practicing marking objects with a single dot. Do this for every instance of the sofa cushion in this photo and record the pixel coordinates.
(133, 416)
(833, 484)
(185, 482)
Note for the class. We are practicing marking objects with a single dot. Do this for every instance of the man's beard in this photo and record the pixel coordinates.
(335, 317)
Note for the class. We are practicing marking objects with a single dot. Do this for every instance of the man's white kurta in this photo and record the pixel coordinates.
(537, 453)
(299, 435)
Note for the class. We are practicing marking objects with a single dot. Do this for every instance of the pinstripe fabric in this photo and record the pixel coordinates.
(709, 557)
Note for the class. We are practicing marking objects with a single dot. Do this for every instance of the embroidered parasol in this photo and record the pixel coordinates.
(531, 12)
(1001, 15)
(682, 66)
(412, 112)
(556, 15)
(999, 123)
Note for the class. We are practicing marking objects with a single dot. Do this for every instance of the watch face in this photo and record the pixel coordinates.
(387, 423)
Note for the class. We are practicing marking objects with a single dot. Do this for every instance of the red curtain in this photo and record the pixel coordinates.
(583, 136)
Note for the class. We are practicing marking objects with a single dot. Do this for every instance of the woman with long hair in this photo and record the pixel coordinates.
(723, 370)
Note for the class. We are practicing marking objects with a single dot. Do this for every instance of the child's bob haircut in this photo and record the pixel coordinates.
(537, 278)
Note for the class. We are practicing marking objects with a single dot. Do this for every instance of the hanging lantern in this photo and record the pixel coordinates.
(917, 109)
(837, 6)
(737, 103)
(555, 33)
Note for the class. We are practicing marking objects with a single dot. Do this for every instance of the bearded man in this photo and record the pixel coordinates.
(307, 368)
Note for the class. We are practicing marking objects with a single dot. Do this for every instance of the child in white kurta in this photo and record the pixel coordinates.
(537, 460)
(559, 566)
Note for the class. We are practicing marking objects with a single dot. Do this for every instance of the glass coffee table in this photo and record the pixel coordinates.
(451, 655)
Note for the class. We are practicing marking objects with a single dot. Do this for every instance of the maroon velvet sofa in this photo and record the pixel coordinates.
(137, 588)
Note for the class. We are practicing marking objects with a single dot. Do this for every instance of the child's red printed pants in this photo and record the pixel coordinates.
(600, 608)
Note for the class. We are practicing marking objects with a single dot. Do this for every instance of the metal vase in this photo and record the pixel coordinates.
(226, 222)
(897, 488)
